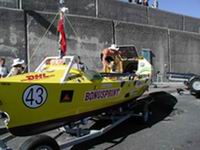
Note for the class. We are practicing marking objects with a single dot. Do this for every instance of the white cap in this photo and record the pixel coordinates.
(17, 61)
(114, 47)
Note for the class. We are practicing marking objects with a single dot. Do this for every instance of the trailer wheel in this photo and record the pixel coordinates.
(195, 85)
(40, 142)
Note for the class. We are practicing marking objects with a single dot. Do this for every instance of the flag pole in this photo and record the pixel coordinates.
(61, 29)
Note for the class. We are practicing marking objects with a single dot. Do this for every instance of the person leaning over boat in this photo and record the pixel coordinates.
(3, 69)
(108, 55)
(17, 67)
(78, 64)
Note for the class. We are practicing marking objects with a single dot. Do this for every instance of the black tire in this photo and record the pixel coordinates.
(195, 85)
(38, 142)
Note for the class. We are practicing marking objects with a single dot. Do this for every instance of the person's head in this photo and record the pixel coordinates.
(48, 62)
(2, 61)
(18, 62)
(77, 59)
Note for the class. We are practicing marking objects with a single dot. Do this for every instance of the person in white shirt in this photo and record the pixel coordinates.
(155, 4)
(78, 64)
(17, 67)
(3, 69)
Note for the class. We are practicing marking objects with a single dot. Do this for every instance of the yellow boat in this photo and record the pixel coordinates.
(57, 93)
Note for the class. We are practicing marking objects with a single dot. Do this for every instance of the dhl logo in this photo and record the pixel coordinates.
(37, 77)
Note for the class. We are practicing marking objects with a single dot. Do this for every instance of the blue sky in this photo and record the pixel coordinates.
(185, 7)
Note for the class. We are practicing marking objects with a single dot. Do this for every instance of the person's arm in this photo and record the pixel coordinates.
(104, 55)
(103, 60)
(5, 72)
(12, 72)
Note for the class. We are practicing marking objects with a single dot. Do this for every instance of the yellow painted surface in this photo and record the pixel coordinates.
(12, 91)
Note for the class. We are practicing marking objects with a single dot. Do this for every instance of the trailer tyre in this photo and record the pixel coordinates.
(195, 85)
(40, 142)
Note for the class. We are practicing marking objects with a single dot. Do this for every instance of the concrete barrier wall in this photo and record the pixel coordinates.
(12, 39)
(78, 7)
(152, 38)
(41, 43)
(85, 37)
(184, 52)
(192, 24)
(9, 3)
(112, 9)
(41, 5)
(117, 10)
(165, 19)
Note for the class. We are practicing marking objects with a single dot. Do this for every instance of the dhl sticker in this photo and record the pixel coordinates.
(37, 77)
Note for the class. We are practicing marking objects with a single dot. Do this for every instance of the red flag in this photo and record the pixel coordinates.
(63, 43)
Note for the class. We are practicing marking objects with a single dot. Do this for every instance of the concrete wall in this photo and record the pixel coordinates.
(184, 52)
(9, 3)
(39, 40)
(12, 39)
(152, 38)
(78, 7)
(192, 24)
(22, 34)
(165, 19)
(117, 10)
(85, 37)
(112, 9)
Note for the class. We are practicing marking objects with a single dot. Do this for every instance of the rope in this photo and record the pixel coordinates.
(76, 34)
(40, 41)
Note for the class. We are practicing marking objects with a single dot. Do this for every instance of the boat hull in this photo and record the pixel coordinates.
(37, 107)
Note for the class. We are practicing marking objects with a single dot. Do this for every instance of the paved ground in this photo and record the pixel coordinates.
(176, 129)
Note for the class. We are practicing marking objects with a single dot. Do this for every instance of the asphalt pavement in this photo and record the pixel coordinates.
(177, 129)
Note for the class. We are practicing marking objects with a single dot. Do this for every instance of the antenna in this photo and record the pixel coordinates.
(62, 8)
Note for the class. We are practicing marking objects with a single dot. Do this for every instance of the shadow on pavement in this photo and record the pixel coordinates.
(161, 108)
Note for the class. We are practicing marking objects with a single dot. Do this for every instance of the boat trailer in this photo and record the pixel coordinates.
(81, 131)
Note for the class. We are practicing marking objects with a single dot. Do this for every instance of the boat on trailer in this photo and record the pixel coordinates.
(58, 93)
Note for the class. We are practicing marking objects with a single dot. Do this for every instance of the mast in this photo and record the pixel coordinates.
(61, 30)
